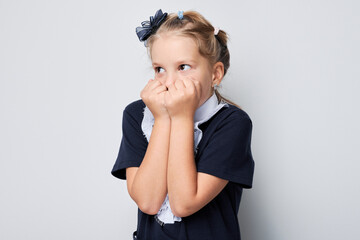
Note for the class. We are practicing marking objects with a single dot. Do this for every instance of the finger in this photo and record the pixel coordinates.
(154, 84)
(179, 84)
(146, 88)
(197, 87)
(148, 84)
(171, 88)
(150, 81)
(188, 83)
(160, 88)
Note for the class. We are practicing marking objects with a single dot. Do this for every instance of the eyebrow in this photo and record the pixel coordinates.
(191, 61)
(156, 64)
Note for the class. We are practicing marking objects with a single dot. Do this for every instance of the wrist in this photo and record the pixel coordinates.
(162, 119)
(183, 120)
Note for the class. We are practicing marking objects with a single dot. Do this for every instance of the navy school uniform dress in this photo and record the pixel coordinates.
(224, 151)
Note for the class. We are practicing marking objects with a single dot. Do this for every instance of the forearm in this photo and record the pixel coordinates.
(182, 173)
(149, 186)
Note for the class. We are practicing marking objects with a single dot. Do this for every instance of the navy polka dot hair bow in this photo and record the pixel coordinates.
(149, 27)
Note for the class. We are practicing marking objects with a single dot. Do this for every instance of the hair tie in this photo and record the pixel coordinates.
(181, 15)
(216, 31)
(149, 27)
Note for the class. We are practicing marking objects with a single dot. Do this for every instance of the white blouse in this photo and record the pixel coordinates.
(202, 114)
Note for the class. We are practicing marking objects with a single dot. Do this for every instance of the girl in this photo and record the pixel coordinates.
(185, 150)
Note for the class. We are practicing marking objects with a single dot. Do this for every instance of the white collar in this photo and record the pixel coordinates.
(206, 111)
(206, 108)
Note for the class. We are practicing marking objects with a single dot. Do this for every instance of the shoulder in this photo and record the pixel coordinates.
(232, 115)
(230, 122)
(135, 106)
(237, 112)
(134, 110)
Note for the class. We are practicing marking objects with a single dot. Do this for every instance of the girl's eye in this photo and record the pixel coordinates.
(159, 70)
(184, 67)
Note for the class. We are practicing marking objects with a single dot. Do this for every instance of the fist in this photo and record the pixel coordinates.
(182, 98)
(153, 96)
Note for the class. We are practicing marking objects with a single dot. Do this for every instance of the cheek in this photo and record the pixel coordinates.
(206, 87)
(205, 91)
(188, 74)
(203, 79)
(206, 83)
(160, 78)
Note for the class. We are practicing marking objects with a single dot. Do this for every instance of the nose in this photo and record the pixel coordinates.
(170, 79)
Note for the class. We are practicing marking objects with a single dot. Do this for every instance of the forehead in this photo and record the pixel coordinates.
(170, 46)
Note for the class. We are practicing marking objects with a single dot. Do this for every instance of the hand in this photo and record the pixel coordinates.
(182, 98)
(153, 96)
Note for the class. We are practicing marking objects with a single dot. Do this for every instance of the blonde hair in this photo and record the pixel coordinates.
(194, 25)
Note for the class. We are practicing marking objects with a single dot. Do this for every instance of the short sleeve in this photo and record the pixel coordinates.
(227, 153)
(133, 143)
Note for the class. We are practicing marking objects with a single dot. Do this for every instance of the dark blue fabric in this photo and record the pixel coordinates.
(149, 27)
(133, 143)
(224, 151)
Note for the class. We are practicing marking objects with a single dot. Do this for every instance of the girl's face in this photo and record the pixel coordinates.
(175, 58)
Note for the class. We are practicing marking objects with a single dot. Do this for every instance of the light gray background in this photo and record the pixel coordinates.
(69, 67)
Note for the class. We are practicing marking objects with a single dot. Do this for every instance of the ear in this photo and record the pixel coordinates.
(218, 73)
